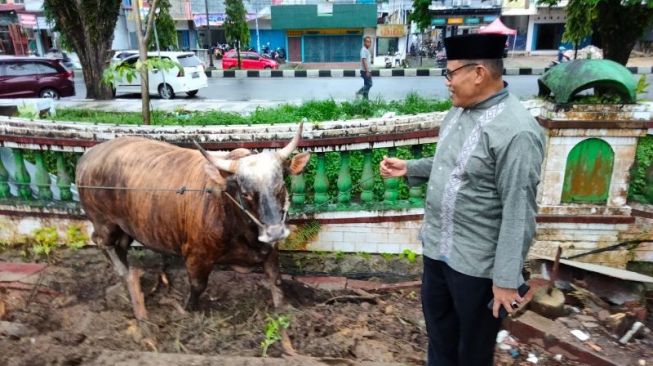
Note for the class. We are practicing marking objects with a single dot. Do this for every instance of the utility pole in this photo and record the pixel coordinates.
(208, 33)
(258, 37)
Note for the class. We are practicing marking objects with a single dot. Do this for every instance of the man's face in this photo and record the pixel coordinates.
(367, 42)
(462, 82)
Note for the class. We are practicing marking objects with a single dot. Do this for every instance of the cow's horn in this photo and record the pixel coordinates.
(292, 145)
(222, 164)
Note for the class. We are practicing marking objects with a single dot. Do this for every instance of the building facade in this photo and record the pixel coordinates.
(325, 32)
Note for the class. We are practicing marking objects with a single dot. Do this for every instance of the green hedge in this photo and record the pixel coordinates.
(314, 111)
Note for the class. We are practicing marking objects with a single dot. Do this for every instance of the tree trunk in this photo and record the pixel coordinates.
(93, 65)
(88, 27)
(620, 27)
(143, 39)
(238, 53)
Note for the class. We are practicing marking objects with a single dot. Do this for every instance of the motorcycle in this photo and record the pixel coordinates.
(441, 59)
(388, 61)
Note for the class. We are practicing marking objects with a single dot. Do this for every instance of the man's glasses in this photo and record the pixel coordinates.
(449, 74)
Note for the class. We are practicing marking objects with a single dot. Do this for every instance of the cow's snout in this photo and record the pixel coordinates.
(273, 233)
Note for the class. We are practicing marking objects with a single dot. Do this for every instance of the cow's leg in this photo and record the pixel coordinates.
(132, 278)
(115, 244)
(162, 278)
(271, 268)
(198, 269)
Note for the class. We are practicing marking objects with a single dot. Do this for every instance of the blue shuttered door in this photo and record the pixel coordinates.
(332, 48)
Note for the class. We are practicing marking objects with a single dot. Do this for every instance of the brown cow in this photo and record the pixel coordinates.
(203, 228)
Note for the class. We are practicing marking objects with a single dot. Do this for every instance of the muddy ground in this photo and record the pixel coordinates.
(82, 308)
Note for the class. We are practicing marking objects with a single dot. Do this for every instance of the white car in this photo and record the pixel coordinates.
(190, 79)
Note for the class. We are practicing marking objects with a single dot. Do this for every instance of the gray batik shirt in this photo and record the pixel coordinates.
(480, 208)
(365, 59)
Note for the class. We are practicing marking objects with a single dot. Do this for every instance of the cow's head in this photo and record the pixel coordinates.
(260, 183)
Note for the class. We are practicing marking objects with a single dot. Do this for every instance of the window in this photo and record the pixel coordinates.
(188, 60)
(47, 69)
(21, 69)
(251, 56)
(19, 1)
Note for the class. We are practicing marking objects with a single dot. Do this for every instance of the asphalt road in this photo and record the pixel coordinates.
(295, 89)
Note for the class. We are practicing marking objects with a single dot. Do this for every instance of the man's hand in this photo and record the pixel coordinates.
(392, 167)
(507, 297)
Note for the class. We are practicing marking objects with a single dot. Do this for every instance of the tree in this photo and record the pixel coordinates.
(235, 25)
(421, 15)
(165, 28)
(618, 23)
(87, 26)
(143, 37)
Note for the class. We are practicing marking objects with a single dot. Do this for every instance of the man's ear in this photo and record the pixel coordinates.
(298, 163)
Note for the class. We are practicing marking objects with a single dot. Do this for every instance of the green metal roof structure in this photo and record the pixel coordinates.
(568, 79)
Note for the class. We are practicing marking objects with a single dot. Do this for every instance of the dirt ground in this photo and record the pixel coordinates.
(82, 309)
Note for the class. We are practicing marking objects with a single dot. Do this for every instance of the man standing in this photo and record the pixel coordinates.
(366, 71)
(479, 216)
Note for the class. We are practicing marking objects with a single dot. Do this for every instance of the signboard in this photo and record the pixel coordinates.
(390, 30)
(438, 21)
(455, 21)
(27, 20)
(215, 19)
(515, 4)
(472, 20)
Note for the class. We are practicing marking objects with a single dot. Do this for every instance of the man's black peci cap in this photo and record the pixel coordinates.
(475, 46)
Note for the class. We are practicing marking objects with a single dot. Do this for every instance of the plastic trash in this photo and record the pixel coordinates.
(532, 358)
(582, 336)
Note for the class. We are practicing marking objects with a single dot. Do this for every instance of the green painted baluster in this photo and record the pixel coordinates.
(321, 184)
(22, 177)
(367, 179)
(416, 193)
(5, 191)
(63, 179)
(298, 189)
(344, 181)
(41, 177)
(391, 193)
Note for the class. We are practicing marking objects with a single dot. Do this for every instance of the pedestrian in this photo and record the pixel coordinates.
(366, 71)
(480, 209)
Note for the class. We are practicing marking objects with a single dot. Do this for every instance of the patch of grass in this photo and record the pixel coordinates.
(388, 256)
(313, 111)
(340, 255)
(273, 327)
(366, 256)
(304, 234)
(75, 237)
(45, 240)
(409, 255)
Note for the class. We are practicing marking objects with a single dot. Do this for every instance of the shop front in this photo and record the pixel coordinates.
(326, 33)
(390, 39)
(324, 45)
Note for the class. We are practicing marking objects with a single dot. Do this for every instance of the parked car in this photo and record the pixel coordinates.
(248, 61)
(189, 79)
(30, 77)
(55, 53)
(122, 54)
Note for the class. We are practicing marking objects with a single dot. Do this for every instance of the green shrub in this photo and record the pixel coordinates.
(641, 186)
(45, 240)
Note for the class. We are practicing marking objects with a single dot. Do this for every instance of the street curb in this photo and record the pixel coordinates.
(345, 73)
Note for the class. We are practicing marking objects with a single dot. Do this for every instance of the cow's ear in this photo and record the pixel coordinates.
(298, 163)
(218, 177)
